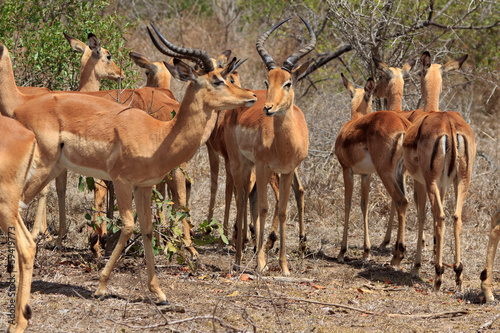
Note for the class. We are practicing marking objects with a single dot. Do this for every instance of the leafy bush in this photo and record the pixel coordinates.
(33, 32)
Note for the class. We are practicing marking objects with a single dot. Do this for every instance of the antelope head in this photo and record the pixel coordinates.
(217, 92)
(391, 79)
(157, 74)
(361, 98)
(95, 58)
(279, 83)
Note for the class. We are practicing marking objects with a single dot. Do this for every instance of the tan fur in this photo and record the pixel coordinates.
(278, 143)
(157, 74)
(391, 86)
(17, 155)
(96, 64)
(439, 150)
(103, 139)
(487, 273)
(369, 143)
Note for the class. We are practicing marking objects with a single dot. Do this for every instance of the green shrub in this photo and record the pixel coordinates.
(33, 32)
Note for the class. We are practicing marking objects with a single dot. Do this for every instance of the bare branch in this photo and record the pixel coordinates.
(323, 59)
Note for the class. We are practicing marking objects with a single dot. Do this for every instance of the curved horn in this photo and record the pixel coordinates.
(170, 53)
(206, 61)
(289, 63)
(268, 60)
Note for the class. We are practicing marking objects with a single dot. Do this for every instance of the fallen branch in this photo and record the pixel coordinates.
(390, 315)
(489, 323)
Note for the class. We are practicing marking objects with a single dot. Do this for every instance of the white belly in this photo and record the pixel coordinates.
(85, 171)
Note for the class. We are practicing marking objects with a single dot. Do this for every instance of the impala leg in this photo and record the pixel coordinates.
(100, 190)
(124, 200)
(285, 184)
(299, 198)
(387, 237)
(274, 182)
(263, 174)
(25, 249)
(439, 229)
(420, 199)
(40, 224)
(179, 197)
(461, 188)
(487, 273)
(142, 197)
(161, 188)
(249, 185)
(228, 198)
(213, 159)
(61, 182)
(365, 192)
(348, 186)
(238, 178)
(253, 200)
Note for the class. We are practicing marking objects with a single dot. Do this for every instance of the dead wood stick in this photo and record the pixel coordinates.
(489, 323)
(390, 315)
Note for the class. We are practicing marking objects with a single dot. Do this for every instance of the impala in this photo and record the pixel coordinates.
(487, 273)
(439, 150)
(390, 86)
(216, 146)
(17, 153)
(96, 65)
(100, 138)
(369, 143)
(271, 137)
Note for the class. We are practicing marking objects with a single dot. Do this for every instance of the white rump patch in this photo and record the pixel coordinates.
(364, 167)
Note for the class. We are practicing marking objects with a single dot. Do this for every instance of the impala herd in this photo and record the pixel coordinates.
(262, 136)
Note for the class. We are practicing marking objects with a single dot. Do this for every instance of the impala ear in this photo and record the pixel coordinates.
(370, 86)
(383, 67)
(142, 61)
(94, 44)
(407, 67)
(455, 64)
(426, 61)
(181, 71)
(75, 44)
(350, 88)
(299, 70)
(222, 59)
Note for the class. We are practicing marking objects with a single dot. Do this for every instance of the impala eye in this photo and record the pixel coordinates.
(287, 85)
(109, 57)
(219, 83)
(231, 79)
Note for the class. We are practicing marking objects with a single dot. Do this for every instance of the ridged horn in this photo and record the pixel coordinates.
(266, 57)
(204, 59)
(292, 60)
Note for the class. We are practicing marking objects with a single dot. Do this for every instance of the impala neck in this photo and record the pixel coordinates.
(395, 97)
(432, 84)
(286, 129)
(10, 96)
(359, 105)
(88, 78)
(183, 135)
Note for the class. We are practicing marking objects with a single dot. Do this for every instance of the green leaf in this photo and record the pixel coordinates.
(81, 184)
